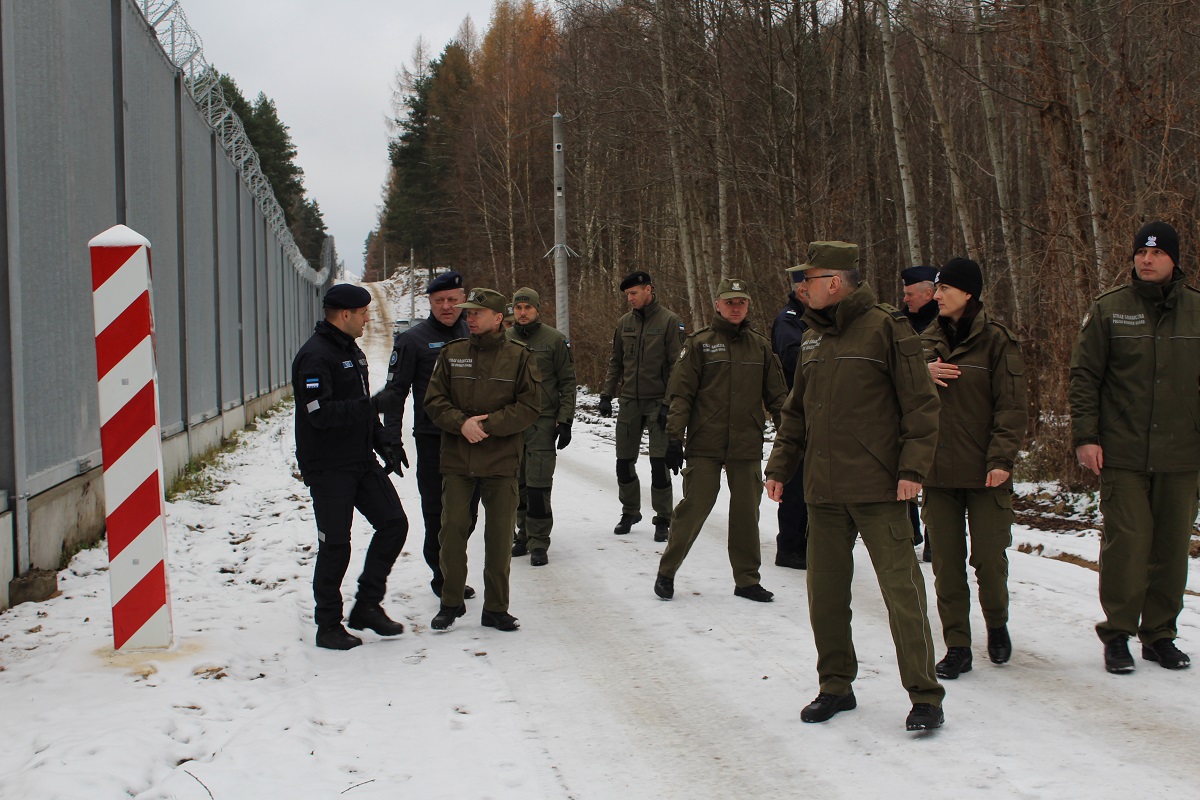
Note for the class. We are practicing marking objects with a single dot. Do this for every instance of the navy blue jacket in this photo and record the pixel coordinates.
(335, 424)
(786, 334)
(923, 316)
(414, 352)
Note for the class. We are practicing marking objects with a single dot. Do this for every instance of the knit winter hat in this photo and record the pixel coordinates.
(527, 295)
(962, 273)
(1160, 235)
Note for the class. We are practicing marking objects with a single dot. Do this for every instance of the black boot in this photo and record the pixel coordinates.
(335, 637)
(500, 620)
(924, 717)
(1117, 659)
(791, 560)
(1166, 654)
(538, 557)
(445, 617)
(826, 705)
(372, 617)
(957, 661)
(626, 524)
(520, 549)
(664, 587)
(999, 645)
(662, 530)
(436, 585)
(755, 592)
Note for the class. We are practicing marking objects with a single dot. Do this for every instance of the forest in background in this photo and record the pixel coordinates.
(712, 138)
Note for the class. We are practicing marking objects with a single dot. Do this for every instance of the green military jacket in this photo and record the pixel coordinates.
(863, 412)
(483, 374)
(645, 346)
(556, 367)
(984, 409)
(726, 380)
(1135, 377)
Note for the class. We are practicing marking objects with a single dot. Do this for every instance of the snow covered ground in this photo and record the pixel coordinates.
(605, 692)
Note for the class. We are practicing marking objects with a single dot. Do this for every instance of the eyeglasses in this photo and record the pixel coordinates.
(808, 278)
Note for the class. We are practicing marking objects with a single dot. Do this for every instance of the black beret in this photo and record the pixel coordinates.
(447, 280)
(638, 278)
(347, 295)
(918, 274)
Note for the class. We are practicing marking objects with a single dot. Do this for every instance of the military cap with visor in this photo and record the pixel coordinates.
(837, 256)
(731, 288)
(485, 298)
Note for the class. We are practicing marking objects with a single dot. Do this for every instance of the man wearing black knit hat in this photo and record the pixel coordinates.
(645, 345)
(1135, 412)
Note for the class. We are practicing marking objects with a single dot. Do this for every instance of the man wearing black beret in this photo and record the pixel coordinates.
(1135, 422)
(645, 346)
(414, 352)
(337, 429)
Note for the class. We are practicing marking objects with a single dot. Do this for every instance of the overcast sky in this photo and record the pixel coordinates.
(329, 67)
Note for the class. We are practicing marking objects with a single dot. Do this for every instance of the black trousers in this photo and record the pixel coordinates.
(335, 495)
(429, 484)
(793, 517)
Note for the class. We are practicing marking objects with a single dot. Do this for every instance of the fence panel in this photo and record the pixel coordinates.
(199, 260)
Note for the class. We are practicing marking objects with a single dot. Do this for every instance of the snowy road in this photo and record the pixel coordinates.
(606, 692)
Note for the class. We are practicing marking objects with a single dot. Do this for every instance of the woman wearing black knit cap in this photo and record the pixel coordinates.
(977, 366)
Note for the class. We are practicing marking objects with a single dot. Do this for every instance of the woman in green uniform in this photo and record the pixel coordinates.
(977, 366)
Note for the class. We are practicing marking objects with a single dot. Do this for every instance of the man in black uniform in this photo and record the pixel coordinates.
(921, 310)
(336, 428)
(791, 545)
(414, 353)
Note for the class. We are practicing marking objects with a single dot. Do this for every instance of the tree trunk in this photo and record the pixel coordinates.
(899, 139)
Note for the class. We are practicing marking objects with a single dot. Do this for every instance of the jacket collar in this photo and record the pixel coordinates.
(946, 329)
(1156, 295)
(488, 341)
(924, 315)
(331, 331)
(722, 325)
(446, 330)
(649, 310)
(528, 330)
(834, 319)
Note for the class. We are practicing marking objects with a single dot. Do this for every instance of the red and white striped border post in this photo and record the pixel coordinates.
(130, 439)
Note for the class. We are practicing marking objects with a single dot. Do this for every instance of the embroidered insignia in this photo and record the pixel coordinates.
(394, 358)
(347, 365)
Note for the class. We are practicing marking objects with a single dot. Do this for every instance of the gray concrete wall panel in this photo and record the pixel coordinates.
(249, 228)
(229, 305)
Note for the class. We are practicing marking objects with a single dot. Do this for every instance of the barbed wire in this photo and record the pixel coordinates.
(185, 50)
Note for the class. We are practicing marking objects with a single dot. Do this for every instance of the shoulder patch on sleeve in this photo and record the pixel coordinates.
(1087, 317)
(395, 357)
(683, 351)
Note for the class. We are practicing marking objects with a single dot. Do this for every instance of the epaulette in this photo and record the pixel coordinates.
(456, 341)
(1114, 290)
(896, 313)
(700, 331)
(1012, 336)
(1191, 288)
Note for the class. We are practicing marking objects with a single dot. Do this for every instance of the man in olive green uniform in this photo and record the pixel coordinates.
(645, 345)
(726, 380)
(483, 394)
(1135, 414)
(863, 417)
(976, 363)
(556, 367)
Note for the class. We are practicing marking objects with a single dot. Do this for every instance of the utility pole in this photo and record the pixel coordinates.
(562, 283)
(412, 281)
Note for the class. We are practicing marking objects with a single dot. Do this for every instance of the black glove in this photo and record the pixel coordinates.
(387, 402)
(662, 418)
(674, 457)
(563, 431)
(393, 456)
(605, 406)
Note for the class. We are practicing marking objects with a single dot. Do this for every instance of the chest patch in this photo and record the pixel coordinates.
(811, 344)
(710, 348)
(347, 365)
(1129, 319)
(462, 363)
(435, 345)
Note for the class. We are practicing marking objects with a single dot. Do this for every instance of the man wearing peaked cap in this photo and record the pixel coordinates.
(556, 367)
(414, 352)
(863, 416)
(644, 347)
(337, 435)
(1134, 416)
(919, 305)
(725, 383)
(484, 394)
